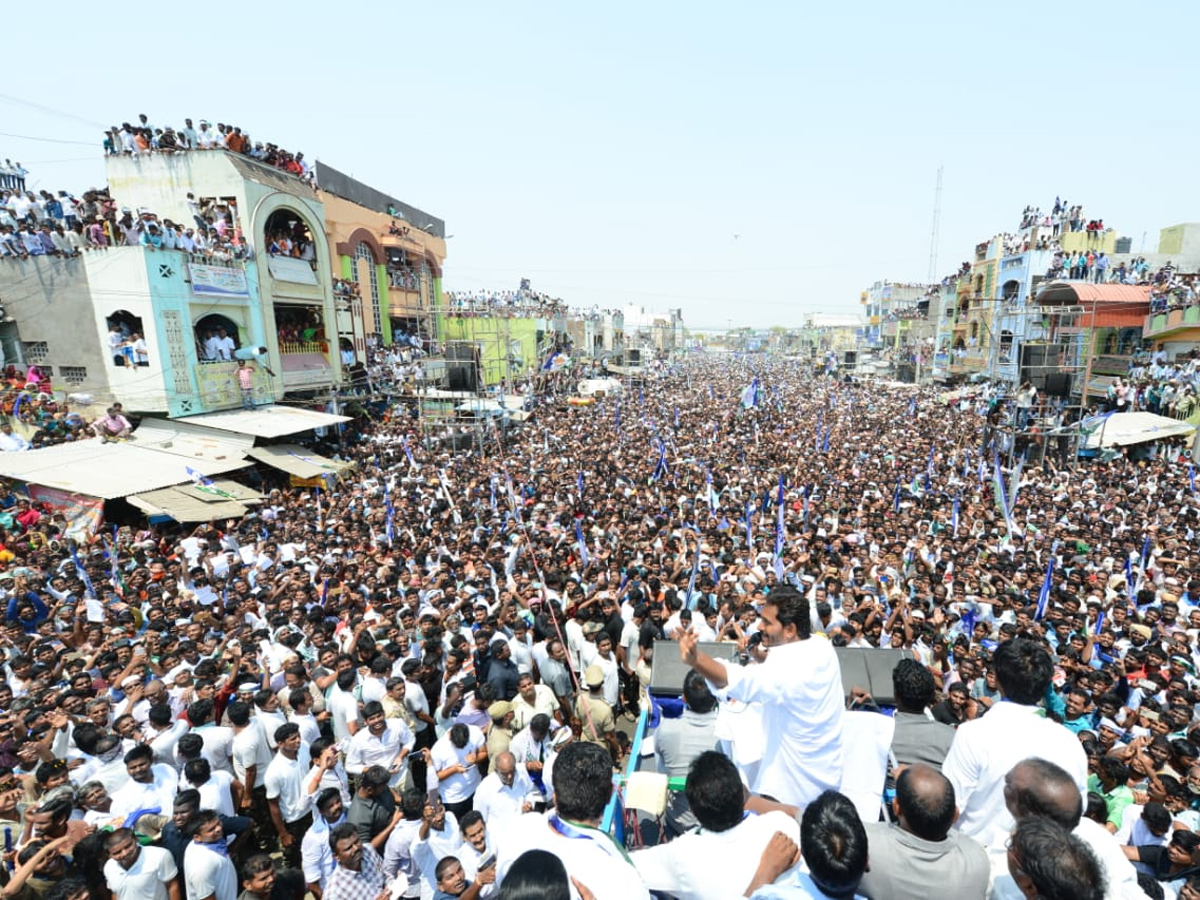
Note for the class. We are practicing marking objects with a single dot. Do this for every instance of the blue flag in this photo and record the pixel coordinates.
(749, 528)
(1192, 478)
(83, 575)
(954, 516)
(1047, 582)
(583, 550)
(579, 484)
(896, 497)
(779, 532)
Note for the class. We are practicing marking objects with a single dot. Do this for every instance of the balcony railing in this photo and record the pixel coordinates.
(302, 347)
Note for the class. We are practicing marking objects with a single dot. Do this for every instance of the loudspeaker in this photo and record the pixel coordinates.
(462, 377)
(870, 669)
(1058, 384)
(668, 671)
(460, 352)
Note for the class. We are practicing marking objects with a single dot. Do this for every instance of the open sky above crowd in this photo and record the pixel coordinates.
(748, 164)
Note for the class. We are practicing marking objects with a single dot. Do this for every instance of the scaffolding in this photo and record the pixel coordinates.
(485, 357)
(1055, 356)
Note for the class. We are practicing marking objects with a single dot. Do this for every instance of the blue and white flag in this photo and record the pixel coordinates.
(691, 588)
(579, 485)
(1192, 478)
(583, 550)
(749, 527)
(408, 452)
(1047, 582)
(954, 515)
(749, 395)
(83, 575)
(660, 469)
(779, 532)
(896, 497)
(712, 495)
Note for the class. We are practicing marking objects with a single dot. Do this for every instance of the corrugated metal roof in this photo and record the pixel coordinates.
(108, 470)
(266, 421)
(297, 460)
(181, 439)
(183, 505)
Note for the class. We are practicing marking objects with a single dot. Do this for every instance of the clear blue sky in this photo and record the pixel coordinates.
(610, 152)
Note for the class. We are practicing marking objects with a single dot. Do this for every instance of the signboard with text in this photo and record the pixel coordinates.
(218, 281)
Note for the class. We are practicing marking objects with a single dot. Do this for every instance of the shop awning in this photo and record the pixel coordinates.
(266, 421)
(110, 470)
(182, 439)
(297, 460)
(1123, 429)
(183, 505)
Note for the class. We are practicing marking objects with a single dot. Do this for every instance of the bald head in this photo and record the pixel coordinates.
(506, 763)
(1038, 788)
(925, 802)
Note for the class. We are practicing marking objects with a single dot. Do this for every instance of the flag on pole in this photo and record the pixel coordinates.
(749, 527)
(583, 550)
(579, 485)
(1192, 478)
(691, 588)
(712, 495)
(1001, 493)
(954, 515)
(1047, 582)
(896, 497)
(83, 575)
(779, 532)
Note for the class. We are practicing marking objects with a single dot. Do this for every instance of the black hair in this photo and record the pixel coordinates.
(286, 731)
(696, 694)
(469, 818)
(1060, 865)
(791, 608)
(834, 844)
(714, 791)
(913, 685)
(259, 862)
(582, 780)
(537, 875)
(1023, 670)
(239, 713)
(340, 833)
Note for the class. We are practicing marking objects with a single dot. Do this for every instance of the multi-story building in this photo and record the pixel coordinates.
(277, 304)
(393, 252)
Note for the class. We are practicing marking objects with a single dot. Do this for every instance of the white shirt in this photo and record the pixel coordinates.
(343, 709)
(316, 858)
(207, 873)
(461, 785)
(683, 869)
(1120, 876)
(594, 859)
(500, 804)
(250, 749)
(218, 746)
(146, 879)
(799, 688)
(397, 855)
(985, 750)
(217, 793)
(426, 854)
(134, 795)
(285, 783)
(544, 701)
(367, 750)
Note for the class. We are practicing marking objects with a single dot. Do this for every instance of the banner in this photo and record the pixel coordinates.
(84, 514)
(218, 281)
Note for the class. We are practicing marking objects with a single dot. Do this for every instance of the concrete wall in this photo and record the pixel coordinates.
(497, 339)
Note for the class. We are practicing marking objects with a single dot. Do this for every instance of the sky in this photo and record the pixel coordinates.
(747, 163)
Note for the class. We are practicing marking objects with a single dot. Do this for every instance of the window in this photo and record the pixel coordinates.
(35, 351)
(73, 374)
(287, 234)
(363, 253)
(217, 337)
(126, 339)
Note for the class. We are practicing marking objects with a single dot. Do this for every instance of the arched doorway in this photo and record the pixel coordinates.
(217, 336)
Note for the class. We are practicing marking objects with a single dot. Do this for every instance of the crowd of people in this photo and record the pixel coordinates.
(143, 137)
(59, 224)
(523, 302)
(420, 679)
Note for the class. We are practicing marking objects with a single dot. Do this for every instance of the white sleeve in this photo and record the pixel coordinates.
(310, 857)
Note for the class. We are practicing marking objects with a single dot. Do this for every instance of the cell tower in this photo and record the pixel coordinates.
(933, 236)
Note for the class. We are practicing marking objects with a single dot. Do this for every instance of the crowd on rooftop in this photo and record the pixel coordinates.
(522, 302)
(49, 223)
(419, 679)
(144, 137)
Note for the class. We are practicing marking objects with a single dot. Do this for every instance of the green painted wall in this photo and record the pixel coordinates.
(496, 339)
(381, 278)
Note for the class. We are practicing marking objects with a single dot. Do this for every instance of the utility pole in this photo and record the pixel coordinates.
(937, 217)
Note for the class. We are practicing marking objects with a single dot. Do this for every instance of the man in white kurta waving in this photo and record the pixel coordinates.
(800, 691)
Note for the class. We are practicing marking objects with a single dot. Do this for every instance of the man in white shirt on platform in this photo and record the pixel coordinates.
(985, 750)
(800, 690)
